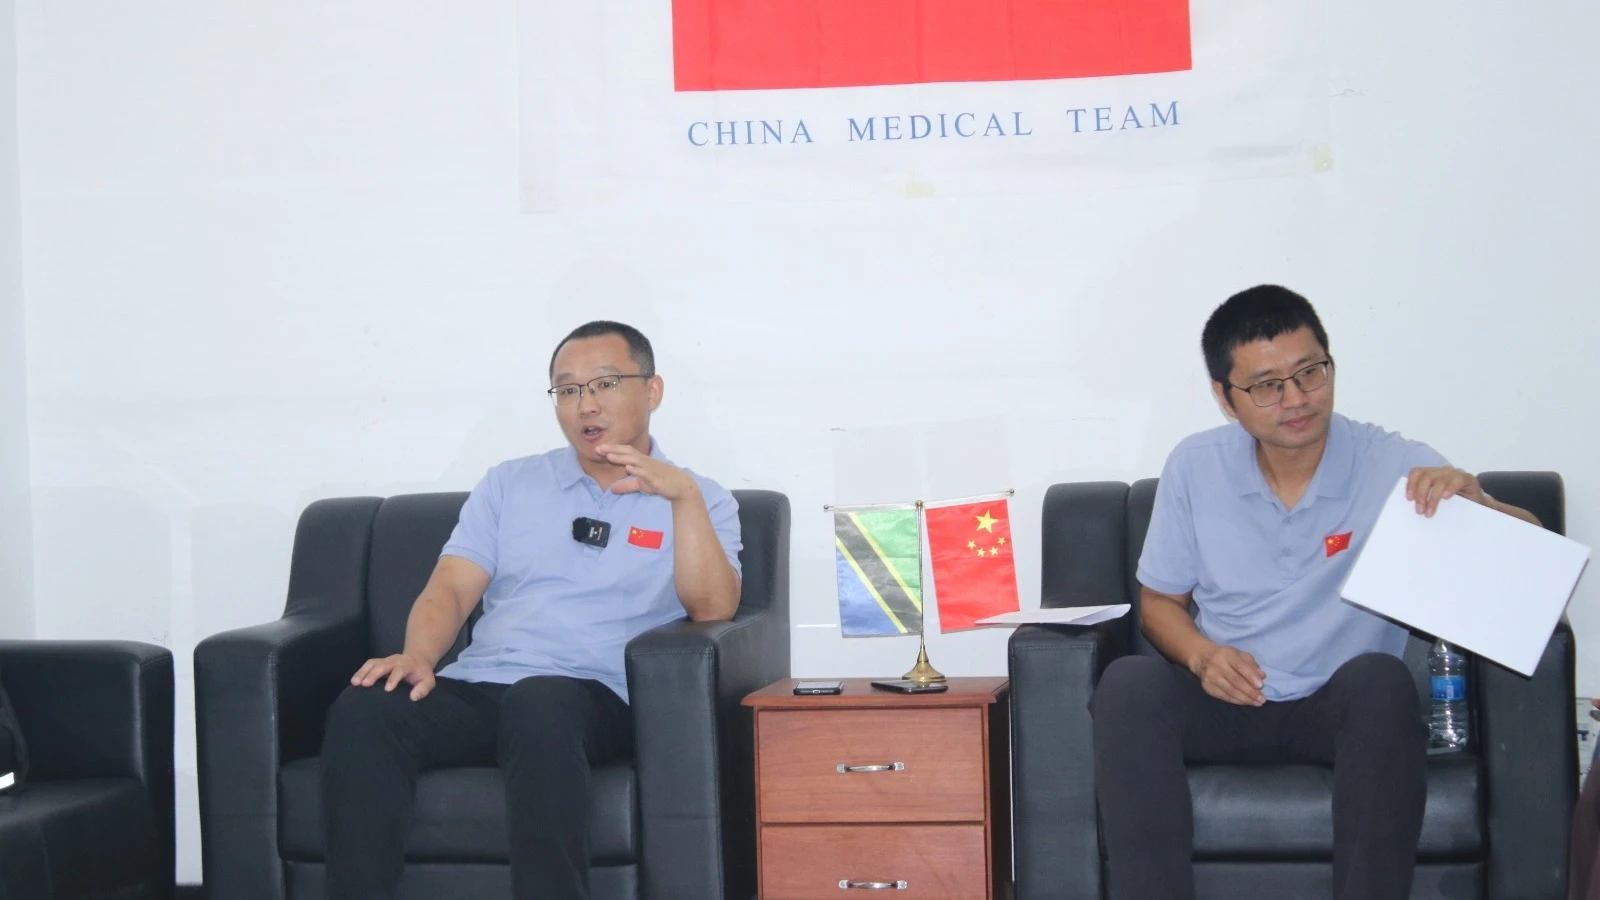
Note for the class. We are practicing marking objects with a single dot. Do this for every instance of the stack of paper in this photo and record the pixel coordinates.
(1477, 578)
(1066, 615)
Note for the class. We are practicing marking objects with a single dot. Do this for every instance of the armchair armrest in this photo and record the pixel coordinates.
(695, 750)
(261, 694)
(1054, 670)
(1530, 760)
(94, 709)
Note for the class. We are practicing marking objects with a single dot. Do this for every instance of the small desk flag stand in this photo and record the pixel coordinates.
(923, 673)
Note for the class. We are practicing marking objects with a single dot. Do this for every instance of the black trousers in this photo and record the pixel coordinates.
(1151, 717)
(543, 732)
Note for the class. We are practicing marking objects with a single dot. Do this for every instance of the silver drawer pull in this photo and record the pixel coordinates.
(846, 884)
(841, 768)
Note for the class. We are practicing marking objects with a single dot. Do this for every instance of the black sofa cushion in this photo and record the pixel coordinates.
(92, 837)
(1286, 812)
(1308, 880)
(460, 815)
(458, 881)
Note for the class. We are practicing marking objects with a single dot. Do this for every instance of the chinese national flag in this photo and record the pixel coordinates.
(730, 45)
(974, 573)
(639, 537)
(1337, 542)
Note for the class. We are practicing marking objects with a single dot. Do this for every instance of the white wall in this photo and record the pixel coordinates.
(16, 520)
(273, 254)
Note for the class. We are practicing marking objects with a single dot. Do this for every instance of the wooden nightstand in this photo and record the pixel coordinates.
(876, 794)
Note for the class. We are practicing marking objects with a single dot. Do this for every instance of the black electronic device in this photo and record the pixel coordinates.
(593, 532)
(819, 687)
(911, 687)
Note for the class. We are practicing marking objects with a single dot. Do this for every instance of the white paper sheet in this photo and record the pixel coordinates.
(1480, 579)
(1068, 615)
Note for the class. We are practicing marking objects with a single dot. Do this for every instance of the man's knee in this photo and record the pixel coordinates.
(361, 712)
(1379, 688)
(1130, 689)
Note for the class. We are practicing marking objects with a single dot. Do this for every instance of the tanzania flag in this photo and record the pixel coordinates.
(974, 571)
(731, 45)
(878, 554)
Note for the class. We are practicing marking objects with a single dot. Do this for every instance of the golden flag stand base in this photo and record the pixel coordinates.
(923, 673)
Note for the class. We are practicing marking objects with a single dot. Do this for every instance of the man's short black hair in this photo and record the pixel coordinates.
(1260, 313)
(638, 345)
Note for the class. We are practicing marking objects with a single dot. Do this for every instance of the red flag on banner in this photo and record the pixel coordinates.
(730, 45)
(974, 573)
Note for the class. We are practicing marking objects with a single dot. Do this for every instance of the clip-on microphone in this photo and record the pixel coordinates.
(593, 532)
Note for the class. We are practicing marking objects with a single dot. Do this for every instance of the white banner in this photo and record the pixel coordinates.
(602, 121)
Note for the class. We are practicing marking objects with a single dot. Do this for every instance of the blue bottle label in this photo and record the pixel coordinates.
(1449, 687)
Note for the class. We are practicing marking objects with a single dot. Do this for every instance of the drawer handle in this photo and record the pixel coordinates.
(841, 768)
(846, 884)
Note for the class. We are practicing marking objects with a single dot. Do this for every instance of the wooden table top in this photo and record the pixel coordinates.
(859, 693)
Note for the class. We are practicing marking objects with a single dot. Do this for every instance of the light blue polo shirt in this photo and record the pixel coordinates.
(558, 607)
(1262, 578)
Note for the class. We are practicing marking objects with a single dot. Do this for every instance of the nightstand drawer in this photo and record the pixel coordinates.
(936, 862)
(871, 765)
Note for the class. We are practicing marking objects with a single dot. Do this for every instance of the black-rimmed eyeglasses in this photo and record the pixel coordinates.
(1270, 392)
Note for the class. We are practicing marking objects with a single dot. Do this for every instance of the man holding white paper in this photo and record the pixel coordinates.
(1255, 526)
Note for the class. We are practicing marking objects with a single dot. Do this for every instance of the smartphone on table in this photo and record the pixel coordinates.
(911, 687)
(819, 687)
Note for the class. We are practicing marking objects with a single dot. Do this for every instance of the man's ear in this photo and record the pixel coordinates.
(657, 389)
(1220, 392)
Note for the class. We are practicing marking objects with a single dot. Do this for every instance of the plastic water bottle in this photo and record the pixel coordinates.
(1447, 721)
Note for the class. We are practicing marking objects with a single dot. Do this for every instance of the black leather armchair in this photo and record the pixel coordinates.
(1498, 814)
(95, 818)
(676, 822)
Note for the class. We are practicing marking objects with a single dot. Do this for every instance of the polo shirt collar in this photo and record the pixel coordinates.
(569, 472)
(1332, 478)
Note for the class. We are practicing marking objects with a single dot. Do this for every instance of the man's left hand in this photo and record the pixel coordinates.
(1427, 486)
(647, 474)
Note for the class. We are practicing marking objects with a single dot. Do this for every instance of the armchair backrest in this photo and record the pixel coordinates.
(1093, 532)
(764, 531)
(407, 534)
(1086, 544)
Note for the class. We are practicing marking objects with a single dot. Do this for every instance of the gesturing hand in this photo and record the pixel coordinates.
(1427, 486)
(1231, 674)
(397, 668)
(647, 474)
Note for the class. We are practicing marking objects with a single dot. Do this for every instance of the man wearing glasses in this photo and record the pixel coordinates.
(1255, 526)
(573, 553)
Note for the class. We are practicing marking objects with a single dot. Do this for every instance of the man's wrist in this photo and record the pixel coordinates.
(420, 659)
(691, 494)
